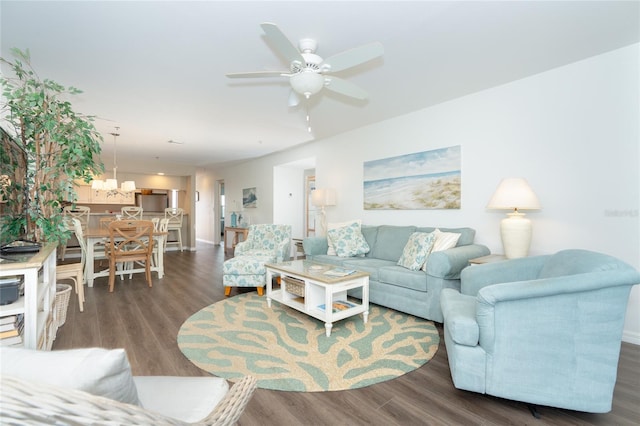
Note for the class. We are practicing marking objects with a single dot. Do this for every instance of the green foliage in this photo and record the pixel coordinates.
(61, 146)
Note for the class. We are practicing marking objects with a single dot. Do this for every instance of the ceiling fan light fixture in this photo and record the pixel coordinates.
(307, 83)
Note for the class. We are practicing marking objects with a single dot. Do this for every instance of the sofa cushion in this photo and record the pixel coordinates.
(98, 371)
(370, 233)
(189, 399)
(369, 265)
(402, 277)
(348, 241)
(390, 241)
(417, 250)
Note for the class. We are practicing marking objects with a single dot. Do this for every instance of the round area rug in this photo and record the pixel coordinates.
(287, 350)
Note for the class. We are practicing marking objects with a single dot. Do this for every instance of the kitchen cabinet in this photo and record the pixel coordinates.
(86, 195)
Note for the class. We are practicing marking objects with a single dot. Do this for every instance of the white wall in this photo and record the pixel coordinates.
(571, 132)
(288, 198)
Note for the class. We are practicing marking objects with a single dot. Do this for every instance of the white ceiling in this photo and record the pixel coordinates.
(157, 69)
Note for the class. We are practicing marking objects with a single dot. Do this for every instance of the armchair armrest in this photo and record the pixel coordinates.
(315, 245)
(476, 277)
(449, 263)
(241, 247)
(283, 250)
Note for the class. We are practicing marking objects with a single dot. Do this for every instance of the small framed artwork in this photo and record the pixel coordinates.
(249, 198)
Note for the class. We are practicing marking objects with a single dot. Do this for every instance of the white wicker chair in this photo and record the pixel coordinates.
(25, 402)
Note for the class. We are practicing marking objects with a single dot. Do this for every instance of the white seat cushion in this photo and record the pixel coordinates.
(189, 399)
(102, 372)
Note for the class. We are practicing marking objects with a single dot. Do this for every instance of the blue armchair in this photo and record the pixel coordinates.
(265, 243)
(544, 330)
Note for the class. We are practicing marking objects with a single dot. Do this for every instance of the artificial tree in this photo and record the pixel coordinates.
(61, 146)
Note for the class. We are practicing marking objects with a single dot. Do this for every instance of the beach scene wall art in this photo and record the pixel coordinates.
(421, 181)
(249, 198)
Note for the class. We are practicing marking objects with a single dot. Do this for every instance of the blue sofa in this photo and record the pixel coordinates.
(544, 330)
(414, 292)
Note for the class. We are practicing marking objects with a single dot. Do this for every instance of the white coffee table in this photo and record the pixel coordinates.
(313, 290)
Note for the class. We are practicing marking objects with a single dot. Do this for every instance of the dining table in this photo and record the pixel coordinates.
(100, 235)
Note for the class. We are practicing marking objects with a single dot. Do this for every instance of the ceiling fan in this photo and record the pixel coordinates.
(308, 73)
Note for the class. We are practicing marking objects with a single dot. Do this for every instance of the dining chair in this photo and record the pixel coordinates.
(69, 212)
(131, 212)
(162, 227)
(130, 241)
(98, 252)
(105, 221)
(175, 216)
(75, 271)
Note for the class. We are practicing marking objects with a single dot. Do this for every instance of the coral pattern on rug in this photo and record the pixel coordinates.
(288, 350)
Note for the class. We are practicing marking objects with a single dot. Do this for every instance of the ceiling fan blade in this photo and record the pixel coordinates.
(254, 74)
(294, 99)
(282, 43)
(344, 87)
(352, 57)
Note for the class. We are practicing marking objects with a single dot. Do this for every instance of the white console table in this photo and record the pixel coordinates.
(37, 304)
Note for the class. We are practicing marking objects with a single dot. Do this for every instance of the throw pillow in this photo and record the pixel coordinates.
(331, 251)
(417, 250)
(98, 371)
(444, 241)
(348, 241)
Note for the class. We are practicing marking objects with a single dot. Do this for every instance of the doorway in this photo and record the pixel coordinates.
(221, 209)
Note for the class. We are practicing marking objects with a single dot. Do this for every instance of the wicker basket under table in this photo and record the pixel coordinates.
(294, 286)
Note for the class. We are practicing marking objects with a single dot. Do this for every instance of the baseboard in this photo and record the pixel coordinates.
(206, 241)
(629, 337)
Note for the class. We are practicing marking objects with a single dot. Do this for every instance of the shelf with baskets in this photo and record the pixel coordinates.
(37, 303)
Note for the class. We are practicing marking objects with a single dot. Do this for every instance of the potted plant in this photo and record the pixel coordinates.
(59, 146)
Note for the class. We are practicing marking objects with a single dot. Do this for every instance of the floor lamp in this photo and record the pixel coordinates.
(515, 194)
(322, 198)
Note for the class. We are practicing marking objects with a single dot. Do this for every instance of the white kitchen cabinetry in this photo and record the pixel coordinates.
(86, 195)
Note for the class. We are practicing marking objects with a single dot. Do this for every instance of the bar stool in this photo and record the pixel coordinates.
(175, 224)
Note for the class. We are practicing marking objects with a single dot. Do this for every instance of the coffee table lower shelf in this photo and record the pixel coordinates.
(319, 292)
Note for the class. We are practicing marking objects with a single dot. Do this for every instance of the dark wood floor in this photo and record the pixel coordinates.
(145, 321)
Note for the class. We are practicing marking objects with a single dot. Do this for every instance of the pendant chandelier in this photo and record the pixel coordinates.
(111, 185)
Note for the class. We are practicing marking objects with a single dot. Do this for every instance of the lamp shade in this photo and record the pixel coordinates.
(323, 197)
(128, 186)
(514, 194)
(111, 184)
(97, 184)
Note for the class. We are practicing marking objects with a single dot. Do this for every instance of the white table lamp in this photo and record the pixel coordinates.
(515, 194)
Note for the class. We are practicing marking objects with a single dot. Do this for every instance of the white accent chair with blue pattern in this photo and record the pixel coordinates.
(265, 243)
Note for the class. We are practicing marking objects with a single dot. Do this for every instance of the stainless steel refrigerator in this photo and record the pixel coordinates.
(152, 202)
